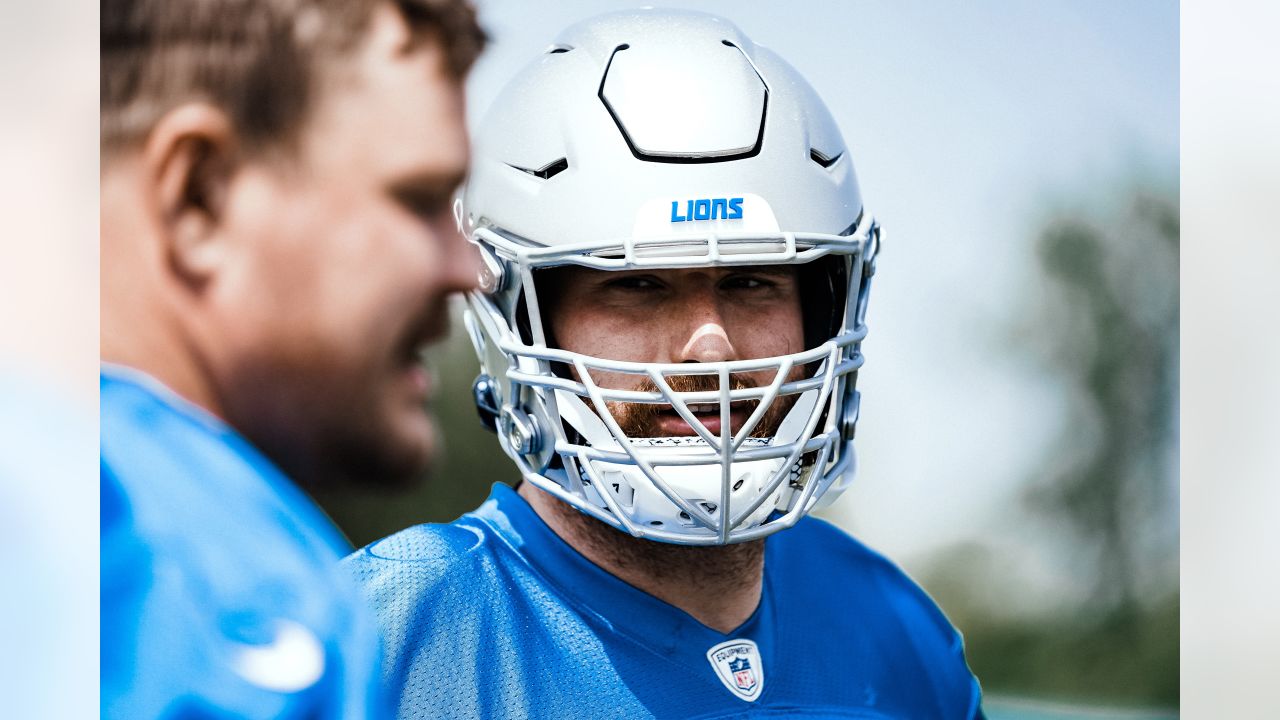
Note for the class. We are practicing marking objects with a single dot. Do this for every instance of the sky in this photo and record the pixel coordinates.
(966, 123)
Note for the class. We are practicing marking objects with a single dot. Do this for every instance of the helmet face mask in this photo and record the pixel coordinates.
(783, 425)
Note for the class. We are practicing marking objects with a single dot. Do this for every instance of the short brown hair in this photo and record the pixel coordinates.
(258, 60)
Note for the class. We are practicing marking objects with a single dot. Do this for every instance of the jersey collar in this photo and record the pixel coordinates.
(601, 596)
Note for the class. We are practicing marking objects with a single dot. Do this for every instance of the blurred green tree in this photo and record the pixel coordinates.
(1119, 352)
(1103, 323)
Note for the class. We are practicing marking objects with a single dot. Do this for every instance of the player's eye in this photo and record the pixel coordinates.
(425, 203)
(747, 282)
(633, 283)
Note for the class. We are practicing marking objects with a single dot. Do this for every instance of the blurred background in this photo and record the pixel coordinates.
(1019, 438)
(48, 359)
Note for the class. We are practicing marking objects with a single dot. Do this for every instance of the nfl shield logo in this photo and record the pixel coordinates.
(737, 664)
(742, 675)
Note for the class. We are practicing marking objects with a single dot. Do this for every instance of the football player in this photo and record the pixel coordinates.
(277, 244)
(676, 266)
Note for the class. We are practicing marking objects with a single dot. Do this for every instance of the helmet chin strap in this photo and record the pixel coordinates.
(585, 421)
(798, 416)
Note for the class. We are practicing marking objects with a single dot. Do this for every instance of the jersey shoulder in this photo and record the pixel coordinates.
(439, 592)
(845, 564)
(847, 584)
(182, 473)
(426, 571)
(210, 558)
(423, 556)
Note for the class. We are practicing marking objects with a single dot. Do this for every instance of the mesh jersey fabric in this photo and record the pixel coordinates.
(494, 615)
(221, 592)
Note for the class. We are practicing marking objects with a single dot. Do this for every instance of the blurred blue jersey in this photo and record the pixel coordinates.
(494, 616)
(221, 591)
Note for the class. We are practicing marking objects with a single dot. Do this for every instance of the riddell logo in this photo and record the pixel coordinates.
(707, 209)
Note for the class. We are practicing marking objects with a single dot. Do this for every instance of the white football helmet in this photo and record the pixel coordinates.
(667, 139)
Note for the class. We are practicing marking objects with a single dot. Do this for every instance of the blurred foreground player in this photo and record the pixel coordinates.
(277, 246)
(677, 261)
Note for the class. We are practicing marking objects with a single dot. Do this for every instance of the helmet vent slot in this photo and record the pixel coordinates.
(822, 159)
(548, 171)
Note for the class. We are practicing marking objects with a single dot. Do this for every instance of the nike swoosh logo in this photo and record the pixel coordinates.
(292, 661)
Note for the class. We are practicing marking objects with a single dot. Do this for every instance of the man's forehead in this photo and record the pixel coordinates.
(401, 114)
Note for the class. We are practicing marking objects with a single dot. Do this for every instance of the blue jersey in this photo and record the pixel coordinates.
(222, 595)
(495, 616)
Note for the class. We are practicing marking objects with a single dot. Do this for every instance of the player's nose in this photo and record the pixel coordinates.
(705, 338)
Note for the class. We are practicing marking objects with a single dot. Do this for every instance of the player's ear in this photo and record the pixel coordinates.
(190, 157)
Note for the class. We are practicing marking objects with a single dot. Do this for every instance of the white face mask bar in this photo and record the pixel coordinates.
(677, 251)
(701, 489)
(705, 450)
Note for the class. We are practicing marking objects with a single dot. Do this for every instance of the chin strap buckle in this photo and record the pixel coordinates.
(485, 393)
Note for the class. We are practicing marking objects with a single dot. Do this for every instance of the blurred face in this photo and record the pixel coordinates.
(344, 259)
(678, 316)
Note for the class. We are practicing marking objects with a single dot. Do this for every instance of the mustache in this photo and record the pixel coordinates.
(641, 419)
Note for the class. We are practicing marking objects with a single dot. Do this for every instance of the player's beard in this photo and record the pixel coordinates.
(639, 420)
(709, 567)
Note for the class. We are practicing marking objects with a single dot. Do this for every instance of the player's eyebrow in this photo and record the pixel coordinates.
(428, 193)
